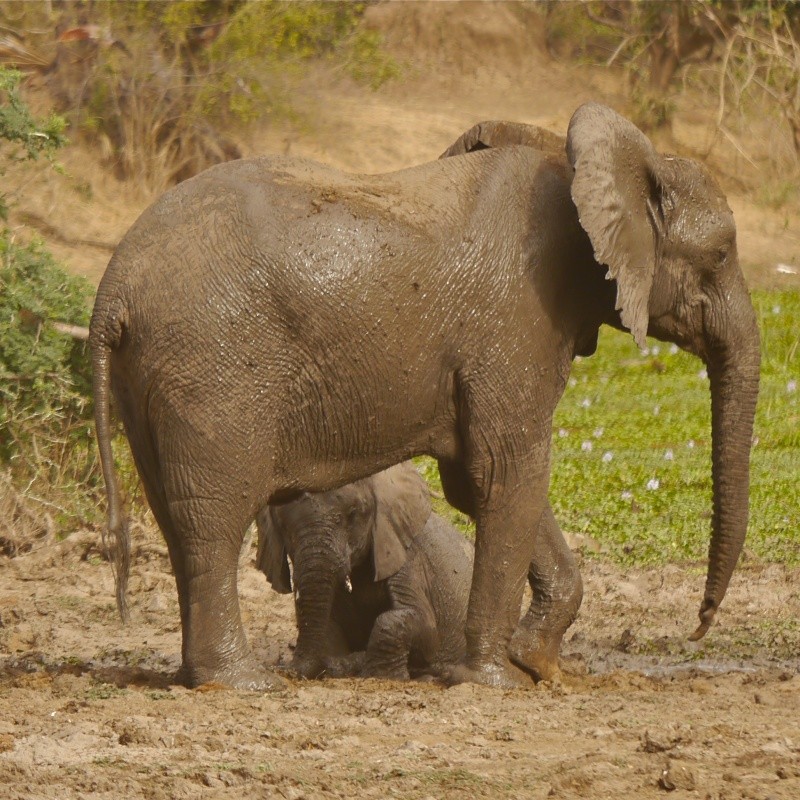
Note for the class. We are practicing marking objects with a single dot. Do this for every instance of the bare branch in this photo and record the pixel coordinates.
(75, 331)
(609, 23)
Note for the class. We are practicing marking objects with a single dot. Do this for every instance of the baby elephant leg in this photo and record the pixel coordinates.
(346, 666)
(395, 634)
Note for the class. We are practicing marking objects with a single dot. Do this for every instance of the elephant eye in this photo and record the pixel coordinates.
(358, 510)
(354, 512)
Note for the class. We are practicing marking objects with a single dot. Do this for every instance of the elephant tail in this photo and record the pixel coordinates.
(105, 335)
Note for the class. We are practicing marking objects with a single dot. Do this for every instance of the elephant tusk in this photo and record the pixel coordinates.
(348, 584)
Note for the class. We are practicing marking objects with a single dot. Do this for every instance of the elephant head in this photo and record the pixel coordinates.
(365, 526)
(661, 230)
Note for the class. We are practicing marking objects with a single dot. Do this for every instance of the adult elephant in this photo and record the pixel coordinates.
(274, 326)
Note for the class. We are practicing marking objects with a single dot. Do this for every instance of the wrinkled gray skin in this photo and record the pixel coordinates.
(274, 326)
(381, 583)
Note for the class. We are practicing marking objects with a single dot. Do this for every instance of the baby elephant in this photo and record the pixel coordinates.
(373, 569)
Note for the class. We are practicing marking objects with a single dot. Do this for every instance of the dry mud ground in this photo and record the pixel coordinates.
(88, 707)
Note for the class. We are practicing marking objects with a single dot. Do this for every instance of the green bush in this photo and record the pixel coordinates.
(46, 434)
(48, 460)
(22, 136)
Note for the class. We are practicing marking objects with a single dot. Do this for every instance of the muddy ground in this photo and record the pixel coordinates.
(88, 707)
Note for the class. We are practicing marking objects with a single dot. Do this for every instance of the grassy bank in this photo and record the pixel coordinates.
(632, 446)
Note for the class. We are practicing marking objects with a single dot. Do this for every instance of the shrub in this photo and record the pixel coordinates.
(160, 85)
(22, 136)
(49, 476)
(46, 435)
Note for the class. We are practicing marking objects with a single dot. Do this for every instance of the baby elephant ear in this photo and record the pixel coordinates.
(402, 507)
(496, 133)
(620, 202)
(271, 556)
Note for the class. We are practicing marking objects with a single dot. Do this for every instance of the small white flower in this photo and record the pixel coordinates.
(563, 433)
(573, 381)
(656, 410)
(644, 352)
(669, 456)
(653, 484)
(755, 440)
(690, 444)
(776, 309)
(586, 446)
(608, 456)
(703, 373)
(791, 387)
(586, 402)
(626, 495)
(673, 349)
(655, 350)
(597, 433)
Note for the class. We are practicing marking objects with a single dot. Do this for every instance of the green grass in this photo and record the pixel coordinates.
(650, 415)
(631, 463)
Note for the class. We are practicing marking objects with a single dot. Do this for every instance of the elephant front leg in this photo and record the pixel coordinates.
(495, 598)
(557, 593)
(393, 636)
(506, 460)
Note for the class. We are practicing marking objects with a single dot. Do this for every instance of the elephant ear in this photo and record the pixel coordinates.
(271, 556)
(496, 133)
(621, 200)
(402, 507)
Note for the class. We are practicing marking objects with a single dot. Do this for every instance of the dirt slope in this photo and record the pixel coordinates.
(462, 63)
(87, 706)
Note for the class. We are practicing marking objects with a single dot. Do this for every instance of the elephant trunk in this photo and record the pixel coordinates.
(733, 360)
(319, 571)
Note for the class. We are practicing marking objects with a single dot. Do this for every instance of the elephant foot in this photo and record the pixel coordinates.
(536, 653)
(503, 675)
(309, 667)
(247, 675)
(349, 666)
(399, 674)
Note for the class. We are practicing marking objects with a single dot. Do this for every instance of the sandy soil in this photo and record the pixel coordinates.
(88, 707)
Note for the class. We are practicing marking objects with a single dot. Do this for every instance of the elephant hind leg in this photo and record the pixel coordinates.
(209, 534)
(557, 593)
(204, 541)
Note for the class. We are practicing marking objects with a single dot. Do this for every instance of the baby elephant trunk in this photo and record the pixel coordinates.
(320, 570)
